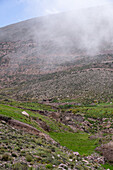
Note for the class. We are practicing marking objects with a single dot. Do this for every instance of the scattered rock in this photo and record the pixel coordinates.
(96, 158)
(62, 166)
(76, 153)
(25, 113)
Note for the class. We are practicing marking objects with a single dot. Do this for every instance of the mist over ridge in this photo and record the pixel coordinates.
(65, 54)
(89, 30)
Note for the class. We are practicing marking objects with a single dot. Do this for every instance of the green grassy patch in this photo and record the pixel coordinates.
(94, 112)
(76, 141)
(28, 105)
(107, 166)
(16, 113)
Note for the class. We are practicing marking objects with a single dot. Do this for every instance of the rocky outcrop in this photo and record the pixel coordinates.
(43, 125)
(107, 151)
(4, 118)
(25, 127)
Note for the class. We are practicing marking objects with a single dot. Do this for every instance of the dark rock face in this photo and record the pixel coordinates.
(23, 126)
(43, 125)
(4, 118)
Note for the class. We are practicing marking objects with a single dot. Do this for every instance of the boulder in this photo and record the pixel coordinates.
(107, 151)
(25, 113)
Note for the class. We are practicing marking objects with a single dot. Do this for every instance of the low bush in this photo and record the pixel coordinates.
(29, 158)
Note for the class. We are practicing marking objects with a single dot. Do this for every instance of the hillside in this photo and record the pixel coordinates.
(56, 92)
(68, 136)
(40, 59)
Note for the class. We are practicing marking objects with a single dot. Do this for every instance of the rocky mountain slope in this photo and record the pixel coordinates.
(56, 92)
(35, 152)
(55, 56)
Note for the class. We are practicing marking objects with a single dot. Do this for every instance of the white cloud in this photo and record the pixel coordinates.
(44, 7)
(72, 4)
(51, 11)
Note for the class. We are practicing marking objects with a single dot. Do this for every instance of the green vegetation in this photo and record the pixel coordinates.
(6, 157)
(107, 166)
(28, 150)
(49, 166)
(98, 111)
(29, 158)
(79, 142)
(16, 113)
(66, 106)
(27, 105)
(40, 117)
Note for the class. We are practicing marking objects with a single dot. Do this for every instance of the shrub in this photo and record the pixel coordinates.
(66, 106)
(14, 154)
(49, 166)
(5, 157)
(22, 153)
(29, 158)
(20, 166)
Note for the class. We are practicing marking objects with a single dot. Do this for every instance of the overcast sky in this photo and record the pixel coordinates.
(12, 11)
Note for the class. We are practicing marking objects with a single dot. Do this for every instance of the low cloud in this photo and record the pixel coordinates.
(87, 26)
(43, 7)
(52, 11)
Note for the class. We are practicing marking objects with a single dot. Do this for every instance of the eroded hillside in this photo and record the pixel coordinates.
(56, 135)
